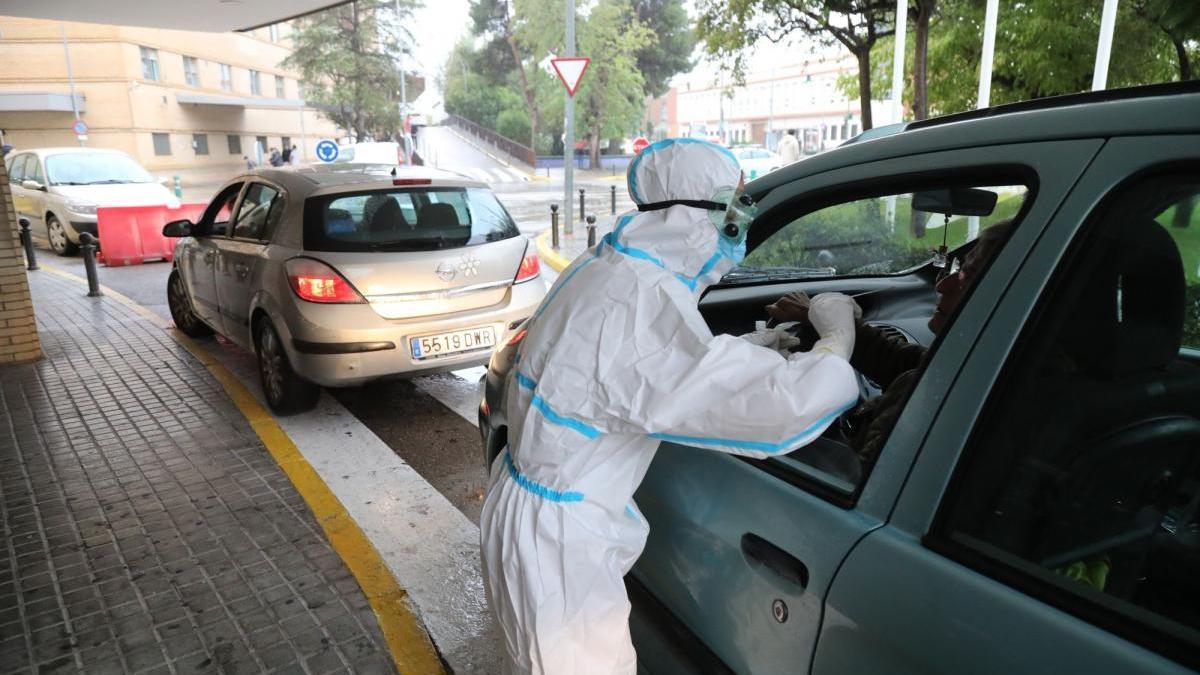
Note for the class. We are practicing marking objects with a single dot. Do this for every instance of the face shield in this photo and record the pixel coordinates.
(733, 222)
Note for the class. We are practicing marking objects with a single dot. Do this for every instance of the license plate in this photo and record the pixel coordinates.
(444, 344)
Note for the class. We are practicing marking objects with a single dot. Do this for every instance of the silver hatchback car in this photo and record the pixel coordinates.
(335, 276)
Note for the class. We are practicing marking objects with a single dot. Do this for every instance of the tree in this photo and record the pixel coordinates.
(671, 53)
(346, 59)
(610, 99)
(923, 11)
(727, 27)
(1179, 20)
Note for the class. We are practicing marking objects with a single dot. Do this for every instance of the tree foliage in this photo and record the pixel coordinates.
(728, 27)
(346, 57)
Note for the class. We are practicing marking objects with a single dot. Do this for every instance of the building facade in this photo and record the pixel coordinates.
(177, 101)
(773, 99)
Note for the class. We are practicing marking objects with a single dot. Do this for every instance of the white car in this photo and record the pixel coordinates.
(756, 161)
(58, 189)
(372, 152)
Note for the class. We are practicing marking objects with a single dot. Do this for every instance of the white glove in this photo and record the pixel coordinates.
(833, 316)
(777, 338)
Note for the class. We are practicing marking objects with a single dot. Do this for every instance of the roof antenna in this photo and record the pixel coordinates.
(393, 172)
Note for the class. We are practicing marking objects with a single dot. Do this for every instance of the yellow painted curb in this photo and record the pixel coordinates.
(557, 261)
(411, 648)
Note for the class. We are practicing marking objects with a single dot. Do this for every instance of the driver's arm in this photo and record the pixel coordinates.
(882, 357)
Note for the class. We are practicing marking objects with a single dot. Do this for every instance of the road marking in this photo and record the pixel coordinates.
(458, 390)
(410, 645)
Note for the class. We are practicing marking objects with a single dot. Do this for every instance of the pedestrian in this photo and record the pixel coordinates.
(789, 147)
(615, 360)
(275, 158)
(286, 158)
(250, 164)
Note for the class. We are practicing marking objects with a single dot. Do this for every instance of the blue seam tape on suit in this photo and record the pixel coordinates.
(534, 487)
(771, 448)
(549, 413)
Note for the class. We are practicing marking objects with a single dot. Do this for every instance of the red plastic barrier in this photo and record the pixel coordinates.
(131, 235)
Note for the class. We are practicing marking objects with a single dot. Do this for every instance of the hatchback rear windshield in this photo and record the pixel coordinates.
(405, 219)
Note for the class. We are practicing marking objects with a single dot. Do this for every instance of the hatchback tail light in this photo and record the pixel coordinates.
(529, 268)
(314, 281)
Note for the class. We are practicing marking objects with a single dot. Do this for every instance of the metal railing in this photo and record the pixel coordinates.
(521, 153)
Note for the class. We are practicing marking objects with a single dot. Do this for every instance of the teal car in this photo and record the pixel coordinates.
(1030, 501)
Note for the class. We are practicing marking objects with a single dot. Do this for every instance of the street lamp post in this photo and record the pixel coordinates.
(569, 130)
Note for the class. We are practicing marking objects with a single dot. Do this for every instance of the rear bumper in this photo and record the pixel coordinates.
(322, 348)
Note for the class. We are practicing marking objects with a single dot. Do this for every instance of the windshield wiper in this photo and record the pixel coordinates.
(109, 181)
(775, 273)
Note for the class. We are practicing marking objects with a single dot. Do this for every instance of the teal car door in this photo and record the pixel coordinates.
(742, 553)
(1051, 523)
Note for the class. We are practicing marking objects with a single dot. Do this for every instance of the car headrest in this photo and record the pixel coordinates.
(386, 218)
(437, 216)
(1130, 316)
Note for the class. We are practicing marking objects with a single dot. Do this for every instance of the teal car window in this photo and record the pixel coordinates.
(1082, 482)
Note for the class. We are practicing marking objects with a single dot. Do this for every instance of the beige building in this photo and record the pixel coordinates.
(179, 102)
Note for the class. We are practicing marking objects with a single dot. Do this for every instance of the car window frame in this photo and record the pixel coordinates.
(1011, 569)
(1053, 166)
(17, 177)
(36, 163)
(263, 233)
(1000, 173)
(205, 226)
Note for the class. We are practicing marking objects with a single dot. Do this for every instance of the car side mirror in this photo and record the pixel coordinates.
(955, 202)
(177, 228)
(32, 185)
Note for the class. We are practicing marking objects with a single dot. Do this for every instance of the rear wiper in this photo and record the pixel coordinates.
(424, 243)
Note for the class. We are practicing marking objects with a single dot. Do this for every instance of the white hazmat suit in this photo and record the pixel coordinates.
(616, 359)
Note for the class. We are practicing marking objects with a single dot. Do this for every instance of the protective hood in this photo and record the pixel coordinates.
(679, 238)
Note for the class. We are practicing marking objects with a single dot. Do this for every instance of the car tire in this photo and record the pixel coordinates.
(286, 392)
(181, 308)
(57, 234)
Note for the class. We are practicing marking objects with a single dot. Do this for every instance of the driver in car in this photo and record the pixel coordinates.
(892, 362)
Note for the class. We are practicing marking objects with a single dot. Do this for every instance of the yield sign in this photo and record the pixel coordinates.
(570, 71)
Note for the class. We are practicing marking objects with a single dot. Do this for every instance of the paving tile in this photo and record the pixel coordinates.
(147, 530)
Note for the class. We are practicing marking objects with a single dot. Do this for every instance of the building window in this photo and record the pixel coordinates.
(149, 63)
(280, 91)
(190, 72)
(255, 83)
(235, 144)
(226, 77)
(262, 143)
(273, 32)
(286, 142)
(162, 144)
(854, 129)
(200, 143)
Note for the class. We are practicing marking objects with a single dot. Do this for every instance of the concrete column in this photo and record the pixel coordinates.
(18, 330)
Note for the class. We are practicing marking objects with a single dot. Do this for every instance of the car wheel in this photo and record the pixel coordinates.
(181, 308)
(287, 393)
(57, 235)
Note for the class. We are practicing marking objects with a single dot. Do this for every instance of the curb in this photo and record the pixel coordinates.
(411, 647)
(557, 261)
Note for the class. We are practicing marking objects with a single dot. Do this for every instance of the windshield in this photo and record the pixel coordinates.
(411, 219)
(94, 168)
(875, 236)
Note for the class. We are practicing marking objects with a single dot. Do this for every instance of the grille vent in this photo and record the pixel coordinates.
(891, 331)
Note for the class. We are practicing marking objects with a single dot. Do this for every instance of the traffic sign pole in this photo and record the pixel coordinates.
(569, 130)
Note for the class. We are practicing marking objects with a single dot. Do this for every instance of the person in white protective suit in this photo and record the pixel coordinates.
(616, 359)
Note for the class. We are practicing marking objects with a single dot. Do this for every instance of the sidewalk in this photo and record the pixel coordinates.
(147, 529)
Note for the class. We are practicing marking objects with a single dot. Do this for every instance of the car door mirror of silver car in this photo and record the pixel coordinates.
(178, 228)
(32, 185)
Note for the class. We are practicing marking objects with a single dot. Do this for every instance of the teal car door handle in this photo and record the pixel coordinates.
(759, 551)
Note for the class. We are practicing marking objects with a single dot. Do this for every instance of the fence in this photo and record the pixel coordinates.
(514, 149)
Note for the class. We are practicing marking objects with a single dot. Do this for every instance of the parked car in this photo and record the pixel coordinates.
(336, 276)
(58, 190)
(1035, 507)
(757, 161)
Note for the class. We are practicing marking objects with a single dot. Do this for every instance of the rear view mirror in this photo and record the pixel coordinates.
(177, 228)
(955, 202)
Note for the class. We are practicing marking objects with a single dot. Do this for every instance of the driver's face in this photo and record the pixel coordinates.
(952, 289)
